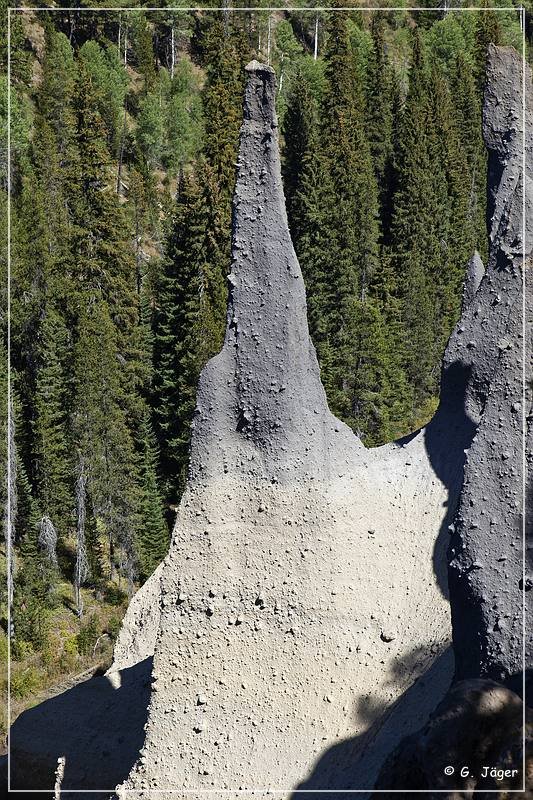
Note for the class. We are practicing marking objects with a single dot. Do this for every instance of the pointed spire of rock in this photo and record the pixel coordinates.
(262, 394)
(486, 554)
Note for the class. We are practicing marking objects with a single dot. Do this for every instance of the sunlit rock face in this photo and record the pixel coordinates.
(304, 591)
(306, 574)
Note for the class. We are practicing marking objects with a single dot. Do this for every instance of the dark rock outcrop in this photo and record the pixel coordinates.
(486, 549)
(479, 723)
(477, 730)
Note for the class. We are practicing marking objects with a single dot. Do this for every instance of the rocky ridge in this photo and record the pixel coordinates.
(292, 540)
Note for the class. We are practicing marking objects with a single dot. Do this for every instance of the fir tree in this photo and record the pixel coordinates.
(488, 30)
(184, 119)
(109, 78)
(53, 463)
(57, 89)
(150, 128)
(379, 122)
(418, 218)
(225, 57)
(307, 188)
(354, 222)
(152, 538)
(144, 50)
(468, 120)
(101, 429)
(189, 319)
(300, 126)
(458, 239)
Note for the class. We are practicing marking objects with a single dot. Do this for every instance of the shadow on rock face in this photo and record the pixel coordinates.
(97, 728)
(354, 763)
(472, 743)
(446, 438)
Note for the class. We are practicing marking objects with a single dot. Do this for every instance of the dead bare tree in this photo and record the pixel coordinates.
(59, 775)
(11, 507)
(81, 572)
(48, 539)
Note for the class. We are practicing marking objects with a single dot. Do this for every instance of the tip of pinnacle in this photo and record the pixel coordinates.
(256, 66)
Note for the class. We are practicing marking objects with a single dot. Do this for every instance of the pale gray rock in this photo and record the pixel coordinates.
(277, 606)
(302, 604)
(474, 274)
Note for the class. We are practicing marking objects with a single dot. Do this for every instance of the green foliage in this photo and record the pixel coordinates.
(21, 649)
(110, 81)
(101, 425)
(113, 627)
(446, 39)
(150, 128)
(87, 636)
(26, 682)
(54, 467)
(144, 49)
(184, 119)
(114, 595)
(189, 320)
(152, 539)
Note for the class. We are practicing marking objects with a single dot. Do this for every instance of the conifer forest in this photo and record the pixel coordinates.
(123, 144)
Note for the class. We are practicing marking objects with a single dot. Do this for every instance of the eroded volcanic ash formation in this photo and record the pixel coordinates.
(303, 568)
(480, 722)
(486, 581)
(299, 625)
(304, 588)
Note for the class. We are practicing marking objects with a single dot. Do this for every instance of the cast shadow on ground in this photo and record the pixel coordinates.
(355, 763)
(99, 730)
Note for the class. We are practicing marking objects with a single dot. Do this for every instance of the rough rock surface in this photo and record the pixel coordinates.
(480, 721)
(479, 724)
(303, 625)
(474, 273)
(304, 570)
(137, 635)
(486, 553)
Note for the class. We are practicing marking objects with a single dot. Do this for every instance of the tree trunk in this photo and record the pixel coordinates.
(121, 156)
(172, 50)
